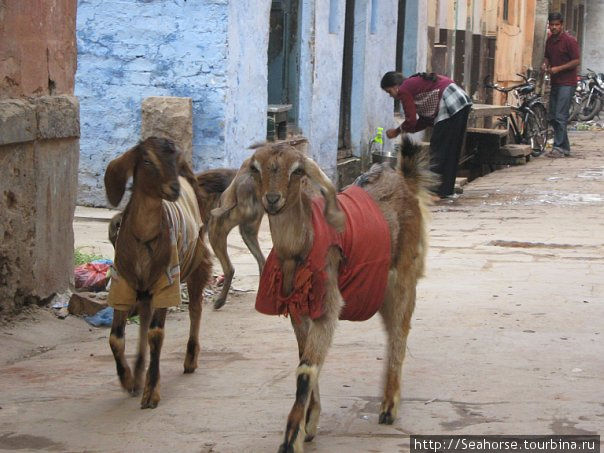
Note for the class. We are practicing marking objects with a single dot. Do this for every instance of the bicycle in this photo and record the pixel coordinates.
(527, 124)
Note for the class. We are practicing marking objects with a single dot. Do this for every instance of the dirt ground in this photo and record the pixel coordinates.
(506, 339)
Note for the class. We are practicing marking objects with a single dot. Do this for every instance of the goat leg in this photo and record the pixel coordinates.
(217, 234)
(139, 366)
(156, 338)
(249, 234)
(117, 342)
(313, 411)
(195, 285)
(396, 313)
(307, 376)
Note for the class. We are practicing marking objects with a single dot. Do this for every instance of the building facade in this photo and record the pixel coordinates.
(233, 59)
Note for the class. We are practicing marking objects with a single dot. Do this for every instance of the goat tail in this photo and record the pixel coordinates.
(414, 164)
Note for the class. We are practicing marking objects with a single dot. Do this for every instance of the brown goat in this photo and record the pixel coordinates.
(400, 198)
(159, 242)
(246, 213)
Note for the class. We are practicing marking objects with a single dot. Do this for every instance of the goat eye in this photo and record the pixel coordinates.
(253, 169)
(147, 162)
(298, 171)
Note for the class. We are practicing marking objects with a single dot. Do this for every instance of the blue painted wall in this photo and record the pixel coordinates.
(215, 52)
(322, 40)
(374, 54)
(200, 49)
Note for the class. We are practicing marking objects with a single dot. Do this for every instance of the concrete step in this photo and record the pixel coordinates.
(514, 150)
(459, 183)
(481, 131)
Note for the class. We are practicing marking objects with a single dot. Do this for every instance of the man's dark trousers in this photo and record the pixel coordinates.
(445, 146)
(559, 105)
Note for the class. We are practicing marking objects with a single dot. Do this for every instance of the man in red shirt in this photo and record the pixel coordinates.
(561, 61)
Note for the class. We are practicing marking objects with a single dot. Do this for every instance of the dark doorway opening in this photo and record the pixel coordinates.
(284, 56)
(400, 41)
(344, 141)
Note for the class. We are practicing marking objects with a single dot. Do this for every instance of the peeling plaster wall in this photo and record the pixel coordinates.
(416, 37)
(149, 48)
(373, 55)
(320, 79)
(322, 38)
(246, 102)
(39, 130)
(593, 46)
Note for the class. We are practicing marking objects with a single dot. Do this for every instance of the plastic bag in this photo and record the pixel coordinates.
(102, 318)
(92, 276)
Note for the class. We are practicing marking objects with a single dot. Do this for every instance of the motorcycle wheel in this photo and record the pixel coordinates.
(536, 130)
(590, 108)
(575, 108)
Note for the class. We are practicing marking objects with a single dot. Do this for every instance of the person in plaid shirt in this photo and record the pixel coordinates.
(433, 100)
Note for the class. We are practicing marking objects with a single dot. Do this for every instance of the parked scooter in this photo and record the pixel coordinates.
(592, 103)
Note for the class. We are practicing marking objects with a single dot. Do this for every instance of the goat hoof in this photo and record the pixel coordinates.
(150, 400)
(134, 391)
(190, 369)
(149, 404)
(386, 418)
(286, 449)
(309, 438)
(219, 303)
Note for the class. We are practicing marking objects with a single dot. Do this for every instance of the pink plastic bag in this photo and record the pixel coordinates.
(92, 276)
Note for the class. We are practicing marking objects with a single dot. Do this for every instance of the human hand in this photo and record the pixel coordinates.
(392, 133)
(554, 70)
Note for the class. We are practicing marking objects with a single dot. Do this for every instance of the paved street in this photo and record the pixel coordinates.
(507, 338)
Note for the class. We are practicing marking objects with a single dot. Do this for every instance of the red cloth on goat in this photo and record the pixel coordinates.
(363, 273)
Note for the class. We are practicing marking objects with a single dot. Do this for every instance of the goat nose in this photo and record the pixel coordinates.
(272, 198)
(175, 186)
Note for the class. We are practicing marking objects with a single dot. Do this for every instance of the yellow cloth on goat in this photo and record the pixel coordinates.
(186, 254)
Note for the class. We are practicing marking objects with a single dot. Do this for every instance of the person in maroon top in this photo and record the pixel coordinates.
(433, 100)
(561, 61)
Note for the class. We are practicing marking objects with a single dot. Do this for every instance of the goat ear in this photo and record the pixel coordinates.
(334, 216)
(117, 174)
(185, 170)
(228, 199)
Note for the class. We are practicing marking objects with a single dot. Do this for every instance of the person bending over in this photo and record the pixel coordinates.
(433, 100)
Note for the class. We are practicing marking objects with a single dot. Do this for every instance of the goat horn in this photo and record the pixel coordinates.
(334, 216)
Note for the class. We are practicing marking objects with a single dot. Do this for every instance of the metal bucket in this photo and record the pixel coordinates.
(390, 158)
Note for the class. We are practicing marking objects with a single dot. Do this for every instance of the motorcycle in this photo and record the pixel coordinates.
(581, 92)
(592, 103)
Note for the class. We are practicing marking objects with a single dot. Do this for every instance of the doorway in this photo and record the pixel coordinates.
(344, 141)
(284, 56)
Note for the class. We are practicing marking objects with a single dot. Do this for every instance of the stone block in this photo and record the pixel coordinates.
(169, 117)
(58, 116)
(17, 121)
(86, 303)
